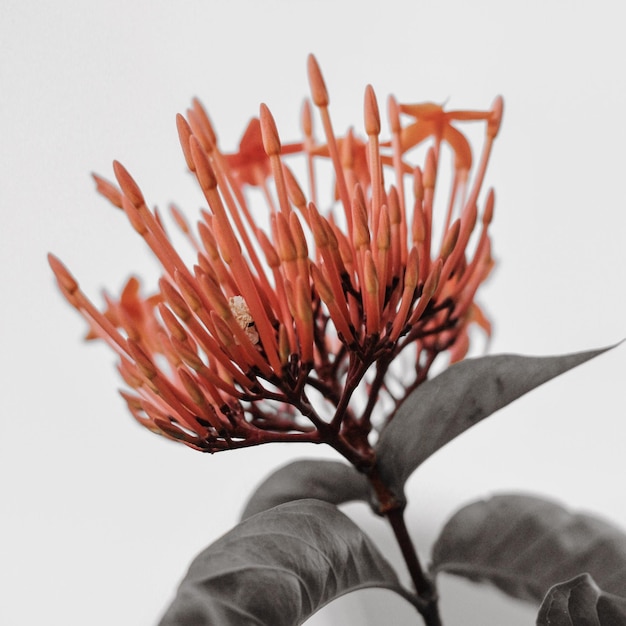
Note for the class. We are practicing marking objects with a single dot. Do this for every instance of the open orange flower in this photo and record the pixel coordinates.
(271, 333)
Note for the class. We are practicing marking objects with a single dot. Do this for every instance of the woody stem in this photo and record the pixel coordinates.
(393, 510)
(426, 591)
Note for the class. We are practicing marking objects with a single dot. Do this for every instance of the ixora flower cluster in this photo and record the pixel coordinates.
(269, 335)
(320, 323)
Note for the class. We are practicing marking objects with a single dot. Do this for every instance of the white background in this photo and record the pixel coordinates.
(98, 518)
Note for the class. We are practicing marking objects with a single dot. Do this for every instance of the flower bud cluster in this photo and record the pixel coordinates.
(229, 352)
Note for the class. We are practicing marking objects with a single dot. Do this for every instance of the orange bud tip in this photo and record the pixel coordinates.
(191, 387)
(317, 227)
(65, 279)
(134, 404)
(269, 132)
(108, 190)
(412, 270)
(198, 107)
(395, 212)
(299, 237)
(226, 240)
(303, 300)
(321, 285)
(394, 114)
(286, 246)
(430, 286)
(172, 324)
(206, 121)
(450, 239)
(142, 360)
(372, 116)
(497, 109)
(418, 184)
(174, 299)
(430, 170)
(383, 239)
(133, 216)
(371, 277)
(203, 169)
(184, 134)
(188, 290)
(128, 373)
(307, 119)
(469, 217)
(283, 345)
(127, 183)
(316, 83)
(293, 189)
(179, 218)
(271, 256)
(489, 205)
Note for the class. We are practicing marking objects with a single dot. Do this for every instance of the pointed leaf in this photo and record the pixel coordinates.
(330, 481)
(579, 602)
(442, 408)
(278, 567)
(524, 545)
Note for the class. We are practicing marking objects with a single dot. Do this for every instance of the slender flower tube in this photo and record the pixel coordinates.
(280, 322)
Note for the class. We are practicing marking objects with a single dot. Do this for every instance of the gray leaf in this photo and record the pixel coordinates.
(278, 567)
(524, 545)
(330, 481)
(442, 408)
(579, 602)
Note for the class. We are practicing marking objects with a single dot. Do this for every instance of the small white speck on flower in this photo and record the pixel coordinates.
(241, 313)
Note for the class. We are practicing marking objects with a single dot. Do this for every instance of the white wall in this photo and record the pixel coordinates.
(99, 519)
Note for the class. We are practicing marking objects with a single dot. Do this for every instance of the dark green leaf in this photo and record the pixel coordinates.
(278, 567)
(442, 408)
(579, 602)
(330, 481)
(524, 545)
